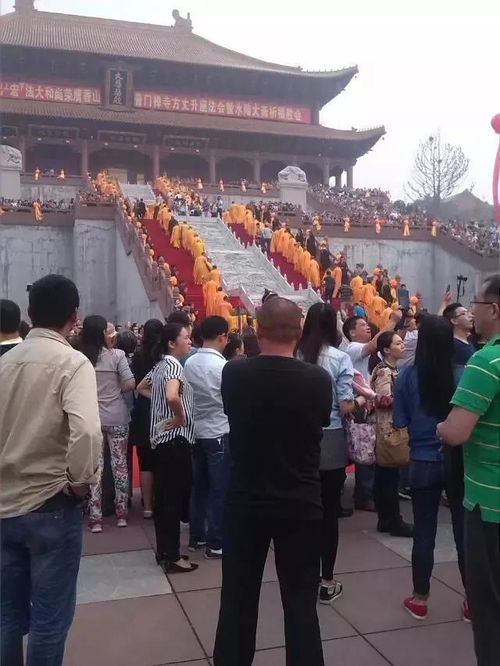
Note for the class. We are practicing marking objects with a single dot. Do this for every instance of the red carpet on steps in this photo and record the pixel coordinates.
(287, 269)
(294, 277)
(180, 258)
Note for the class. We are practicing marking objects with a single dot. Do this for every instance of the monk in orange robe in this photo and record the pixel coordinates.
(290, 249)
(347, 224)
(367, 295)
(297, 259)
(434, 228)
(406, 227)
(165, 216)
(175, 237)
(304, 266)
(226, 311)
(275, 241)
(37, 209)
(209, 294)
(378, 305)
(216, 275)
(198, 247)
(219, 298)
(337, 276)
(385, 316)
(187, 237)
(250, 223)
(357, 288)
(201, 269)
(314, 275)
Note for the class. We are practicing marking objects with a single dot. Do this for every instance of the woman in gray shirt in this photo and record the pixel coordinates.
(114, 378)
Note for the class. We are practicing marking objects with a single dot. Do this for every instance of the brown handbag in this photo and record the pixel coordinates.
(393, 447)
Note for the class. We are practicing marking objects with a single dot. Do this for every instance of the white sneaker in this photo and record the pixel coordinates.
(96, 529)
(121, 522)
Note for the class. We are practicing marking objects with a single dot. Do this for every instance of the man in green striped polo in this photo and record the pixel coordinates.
(475, 422)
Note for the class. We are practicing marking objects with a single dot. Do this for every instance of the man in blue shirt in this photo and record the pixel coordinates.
(203, 371)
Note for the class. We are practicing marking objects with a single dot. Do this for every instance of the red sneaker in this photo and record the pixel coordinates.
(466, 614)
(417, 610)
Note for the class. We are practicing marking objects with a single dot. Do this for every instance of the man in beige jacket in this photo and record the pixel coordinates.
(50, 438)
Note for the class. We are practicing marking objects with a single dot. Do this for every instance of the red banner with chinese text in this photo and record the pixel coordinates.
(218, 106)
(49, 92)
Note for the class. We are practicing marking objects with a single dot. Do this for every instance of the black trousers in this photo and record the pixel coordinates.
(482, 559)
(332, 482)
(173, 478)
(385, 495)
(297, 550)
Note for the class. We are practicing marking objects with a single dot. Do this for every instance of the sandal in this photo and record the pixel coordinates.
(171, 568)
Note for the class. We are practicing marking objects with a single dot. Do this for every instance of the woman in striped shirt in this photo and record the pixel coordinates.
(172, 435)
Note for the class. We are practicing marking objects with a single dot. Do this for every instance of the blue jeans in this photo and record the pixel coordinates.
(211, 473)
(427, 482)
(40, 558)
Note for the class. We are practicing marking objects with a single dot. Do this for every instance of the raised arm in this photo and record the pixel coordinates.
(371, 347)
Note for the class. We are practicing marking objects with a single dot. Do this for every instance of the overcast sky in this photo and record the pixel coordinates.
(423, 65)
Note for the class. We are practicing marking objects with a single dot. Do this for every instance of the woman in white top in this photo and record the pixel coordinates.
(318, 345)
(114, 378)
(172, 435)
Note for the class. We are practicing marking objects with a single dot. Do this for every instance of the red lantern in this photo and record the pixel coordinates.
(495, 123)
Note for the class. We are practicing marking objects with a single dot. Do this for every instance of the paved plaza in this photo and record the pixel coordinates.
(130, 614)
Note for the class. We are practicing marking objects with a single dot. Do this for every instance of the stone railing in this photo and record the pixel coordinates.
(486, 263)
(26, 217)
(94, 210)
(74, 181)
(156, 283)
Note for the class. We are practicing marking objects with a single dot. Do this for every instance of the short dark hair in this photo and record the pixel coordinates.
(10, 316)
(349, 326)
(126, 341)
(179, 317)
(492, 286)
(234, 342)
(52, 301)
(279, 320)
(213, 326)
(449, 311)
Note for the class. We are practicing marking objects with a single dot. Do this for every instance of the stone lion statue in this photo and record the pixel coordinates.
(292, 174)
(10, 158)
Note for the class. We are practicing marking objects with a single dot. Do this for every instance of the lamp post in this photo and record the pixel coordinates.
(461, 280)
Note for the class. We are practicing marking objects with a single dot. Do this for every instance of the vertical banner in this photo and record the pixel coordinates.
(118, 87)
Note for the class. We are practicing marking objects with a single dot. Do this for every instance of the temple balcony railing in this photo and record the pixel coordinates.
(485, 262)
(70, 180)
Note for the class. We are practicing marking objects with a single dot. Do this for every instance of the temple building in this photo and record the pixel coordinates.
(84, 94)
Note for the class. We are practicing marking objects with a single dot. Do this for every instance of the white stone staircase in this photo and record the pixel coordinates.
(246, 270)
(138, 192)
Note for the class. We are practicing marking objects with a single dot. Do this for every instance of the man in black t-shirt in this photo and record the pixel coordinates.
(463, 324)
(277, 407)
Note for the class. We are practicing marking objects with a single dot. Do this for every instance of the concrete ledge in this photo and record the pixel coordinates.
(26, 217)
